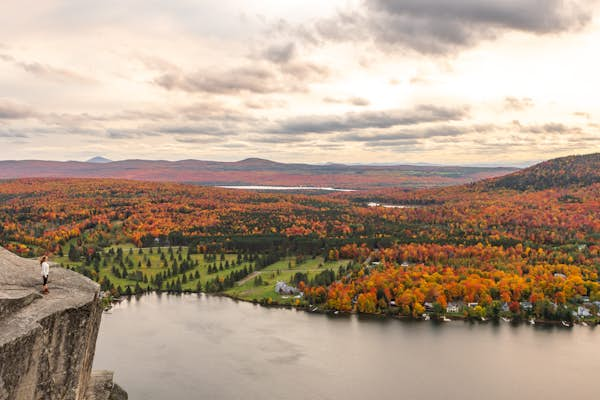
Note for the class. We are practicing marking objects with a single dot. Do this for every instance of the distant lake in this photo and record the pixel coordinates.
(260, 187)
(372, 204)
(206, 347)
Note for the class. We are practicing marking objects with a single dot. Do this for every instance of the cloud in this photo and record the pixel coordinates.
(288, 77)
(582, 114)
(518, 104)
(261, 104)
(46, 71)
(552, 128)
(11, 110)
(355, 101)
(280, 54)
(206, 129)
(443, 27)
(246, 79)
(304, 72)
(198, 140)
(409, 134)
(369, 119)
(7, 133)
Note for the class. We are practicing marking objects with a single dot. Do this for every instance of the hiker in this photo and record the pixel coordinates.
(45, 270)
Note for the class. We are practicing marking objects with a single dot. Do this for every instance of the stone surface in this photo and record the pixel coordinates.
(102, 387)
(47, 342)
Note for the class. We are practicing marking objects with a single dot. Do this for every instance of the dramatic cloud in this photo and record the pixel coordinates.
(442, 26)
(445, 81)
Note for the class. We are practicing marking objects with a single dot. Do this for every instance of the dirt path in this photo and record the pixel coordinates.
(246, 279)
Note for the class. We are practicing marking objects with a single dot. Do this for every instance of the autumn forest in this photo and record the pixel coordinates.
(521, 246)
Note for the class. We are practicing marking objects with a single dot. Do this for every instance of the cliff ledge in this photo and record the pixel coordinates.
(47, 342)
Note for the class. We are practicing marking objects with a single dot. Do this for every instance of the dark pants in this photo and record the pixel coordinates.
(45, 277)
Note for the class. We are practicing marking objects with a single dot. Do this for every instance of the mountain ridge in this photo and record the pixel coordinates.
(254, 171)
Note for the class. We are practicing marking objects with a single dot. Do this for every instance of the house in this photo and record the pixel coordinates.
(472, 305)
(526, 305)
(428, 306)
(559, 275)
(453, 308)
(404, 264)
(582, 312)
(284, 288)
(373, 264)
(505, 307)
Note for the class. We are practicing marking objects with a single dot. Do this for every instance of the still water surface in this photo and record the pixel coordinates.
(284, 188)
(211, 348)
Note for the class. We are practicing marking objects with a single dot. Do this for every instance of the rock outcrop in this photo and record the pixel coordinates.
(47, 342)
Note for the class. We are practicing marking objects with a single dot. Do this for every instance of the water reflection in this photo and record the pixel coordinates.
(207, 347)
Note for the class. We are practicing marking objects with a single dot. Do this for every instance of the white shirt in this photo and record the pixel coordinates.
(45, 268)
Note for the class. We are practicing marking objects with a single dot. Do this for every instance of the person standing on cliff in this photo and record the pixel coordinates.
(45, 271)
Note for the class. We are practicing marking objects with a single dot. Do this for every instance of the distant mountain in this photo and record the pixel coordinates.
(562, 172)
(99, 160)
(255, 171)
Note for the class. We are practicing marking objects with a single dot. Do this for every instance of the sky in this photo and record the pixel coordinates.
(352, 81)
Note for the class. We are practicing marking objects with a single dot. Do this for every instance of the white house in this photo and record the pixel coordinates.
(583, 312)
(284, 288)
(526, 305)
(453, 308)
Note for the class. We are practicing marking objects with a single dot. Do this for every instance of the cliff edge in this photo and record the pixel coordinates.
(47, 342)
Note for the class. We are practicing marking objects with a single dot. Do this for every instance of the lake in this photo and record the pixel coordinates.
(283, 188)
(210, 347)
(372, 204)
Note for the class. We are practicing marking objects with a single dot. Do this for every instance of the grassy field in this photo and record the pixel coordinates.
(282, 270)
(149, 263)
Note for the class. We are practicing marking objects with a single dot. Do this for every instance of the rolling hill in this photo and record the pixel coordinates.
(562, 172)
(255, 171)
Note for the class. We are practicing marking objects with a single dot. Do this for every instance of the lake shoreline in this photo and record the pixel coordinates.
(437, 319)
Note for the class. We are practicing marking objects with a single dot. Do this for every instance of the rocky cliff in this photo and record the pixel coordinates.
(47, 342)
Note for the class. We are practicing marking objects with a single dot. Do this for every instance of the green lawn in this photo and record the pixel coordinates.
(281, 271)
(149, 263)
(140, 263)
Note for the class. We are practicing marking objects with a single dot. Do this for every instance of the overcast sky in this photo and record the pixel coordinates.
(439, 81)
